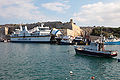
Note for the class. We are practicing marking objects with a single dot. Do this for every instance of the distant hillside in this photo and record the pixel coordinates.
(56, 24)
(106, 31)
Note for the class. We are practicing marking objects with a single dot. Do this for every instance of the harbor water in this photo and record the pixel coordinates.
(35, 61)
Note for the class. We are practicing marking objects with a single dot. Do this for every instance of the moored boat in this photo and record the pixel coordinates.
(37, 34)
(79, 41)
(95, 49)
(67, 40)
(112, 41)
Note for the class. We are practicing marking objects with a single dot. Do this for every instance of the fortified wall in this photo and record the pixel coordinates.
(71, 29)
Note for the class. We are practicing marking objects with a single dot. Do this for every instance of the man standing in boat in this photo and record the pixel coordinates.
(101, 47)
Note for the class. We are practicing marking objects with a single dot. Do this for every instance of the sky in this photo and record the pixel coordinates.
(83, 12)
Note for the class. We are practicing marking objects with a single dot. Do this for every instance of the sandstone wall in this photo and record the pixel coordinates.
(70, 32)
(77, 31)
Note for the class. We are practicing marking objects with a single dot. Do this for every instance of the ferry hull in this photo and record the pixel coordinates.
(31, 40)
(88, 53)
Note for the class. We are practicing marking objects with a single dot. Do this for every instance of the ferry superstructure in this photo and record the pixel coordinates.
(37, 34)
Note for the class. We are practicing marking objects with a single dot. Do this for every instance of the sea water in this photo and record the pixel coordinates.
(36, 61)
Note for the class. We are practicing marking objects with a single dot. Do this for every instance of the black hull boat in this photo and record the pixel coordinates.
(97, 54)
(95, 49)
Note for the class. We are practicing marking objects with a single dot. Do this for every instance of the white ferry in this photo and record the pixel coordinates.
(37, 34)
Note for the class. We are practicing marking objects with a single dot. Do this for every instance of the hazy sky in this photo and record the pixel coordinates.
(83, 12)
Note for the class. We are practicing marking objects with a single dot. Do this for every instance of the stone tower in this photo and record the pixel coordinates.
(6, 30)
(71, 20)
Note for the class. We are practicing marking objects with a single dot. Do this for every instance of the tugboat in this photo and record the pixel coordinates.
(95, 49)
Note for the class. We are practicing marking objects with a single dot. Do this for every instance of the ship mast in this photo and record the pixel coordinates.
(101, 44)
(101, 36)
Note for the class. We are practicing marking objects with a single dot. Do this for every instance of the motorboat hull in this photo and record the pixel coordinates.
(90, 53)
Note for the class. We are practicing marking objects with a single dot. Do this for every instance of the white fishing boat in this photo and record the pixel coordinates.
(37, 34)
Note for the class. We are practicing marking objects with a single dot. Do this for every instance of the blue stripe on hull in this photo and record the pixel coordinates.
(112, 43)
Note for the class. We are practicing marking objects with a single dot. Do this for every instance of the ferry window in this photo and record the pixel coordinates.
(16, 35)
(43, 29)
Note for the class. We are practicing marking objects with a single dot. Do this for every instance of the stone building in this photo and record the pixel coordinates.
(2, 32)
(71, 29)
(5, 31)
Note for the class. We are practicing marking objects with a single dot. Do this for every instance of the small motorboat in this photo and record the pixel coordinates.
(67, 40)
(95, 49)
(79, 41)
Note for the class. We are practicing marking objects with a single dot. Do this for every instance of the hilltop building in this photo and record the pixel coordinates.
(71, 29)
